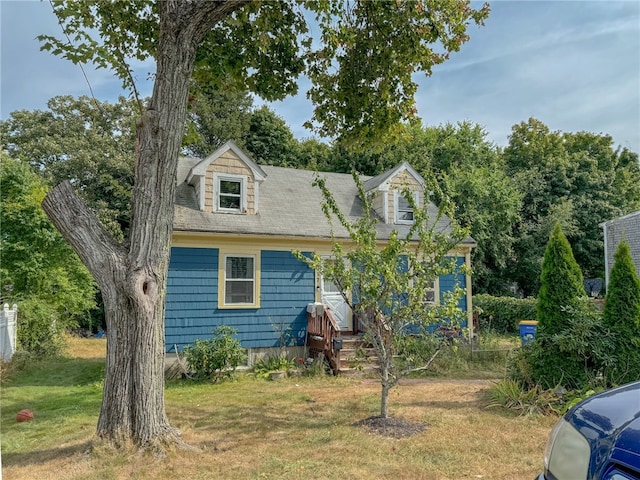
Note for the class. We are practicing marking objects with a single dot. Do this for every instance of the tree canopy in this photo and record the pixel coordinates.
(87, 142)
(37, 263)
(577, 179)
(360, 89)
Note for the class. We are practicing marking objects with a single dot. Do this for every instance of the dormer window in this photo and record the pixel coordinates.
(231, 193)
(403, 209)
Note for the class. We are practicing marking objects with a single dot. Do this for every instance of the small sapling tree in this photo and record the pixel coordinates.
(385, 282)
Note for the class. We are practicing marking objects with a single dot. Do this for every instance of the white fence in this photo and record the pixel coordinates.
(8, 331)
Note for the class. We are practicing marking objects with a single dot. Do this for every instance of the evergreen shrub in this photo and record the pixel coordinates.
(622, 316)
(561, 284)
(557, 356)
(572, 358)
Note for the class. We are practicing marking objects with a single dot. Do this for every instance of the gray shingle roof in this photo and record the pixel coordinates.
(288, 206)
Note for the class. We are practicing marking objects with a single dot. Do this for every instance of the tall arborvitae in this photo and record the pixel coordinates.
(561, 284)
(622, 317)
(559, 301)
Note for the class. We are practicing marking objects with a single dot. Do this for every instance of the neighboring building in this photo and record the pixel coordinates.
(236, 224)
(626, 227)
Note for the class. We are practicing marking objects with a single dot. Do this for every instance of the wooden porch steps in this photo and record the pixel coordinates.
(356, 356)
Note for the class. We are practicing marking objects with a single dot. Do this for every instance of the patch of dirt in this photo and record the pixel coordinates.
(391, 427)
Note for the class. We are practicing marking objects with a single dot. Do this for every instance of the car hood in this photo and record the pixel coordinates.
(610, 422)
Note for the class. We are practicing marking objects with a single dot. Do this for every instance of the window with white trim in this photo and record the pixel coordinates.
(239, 280)
(430, 293)
(230, 193)
(403, 209)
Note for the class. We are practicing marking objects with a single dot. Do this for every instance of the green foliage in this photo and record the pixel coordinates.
(87, 142)
(561, 285)
(276, 363)
(622, 317)
(510, 394)
(270, 141)
(357, 96)
(214, 117)
(513, 395)
(429, 355)
(39, 331)
(473, 178)
(487, 203)
(38, 267)
(578, 179)
(503, 314)
(216, 358)
(361, 91)
(384, 284)
(417, 350)
(574, 357)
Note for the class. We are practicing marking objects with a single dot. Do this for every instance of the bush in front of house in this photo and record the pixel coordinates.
(502, 314)
(622, 317)
(216, 358)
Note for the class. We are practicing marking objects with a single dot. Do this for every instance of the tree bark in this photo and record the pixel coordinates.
(132, 277)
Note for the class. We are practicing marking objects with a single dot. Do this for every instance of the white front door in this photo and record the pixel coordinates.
(331, 296)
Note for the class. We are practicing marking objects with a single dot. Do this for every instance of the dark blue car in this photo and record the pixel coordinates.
(599, 439)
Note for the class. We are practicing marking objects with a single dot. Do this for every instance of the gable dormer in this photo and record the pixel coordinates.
(388, 190)
(227, 181)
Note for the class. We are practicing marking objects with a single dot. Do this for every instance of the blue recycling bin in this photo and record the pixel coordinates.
(527, 330)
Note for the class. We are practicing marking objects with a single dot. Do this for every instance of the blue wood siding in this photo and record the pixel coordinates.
(448, 282)
(286, 287)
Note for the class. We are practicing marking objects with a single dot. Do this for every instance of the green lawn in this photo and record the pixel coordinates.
(296, 428)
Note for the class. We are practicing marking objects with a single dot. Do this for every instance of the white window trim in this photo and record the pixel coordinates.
(202, 189)
(222, 281)
(396, 213)
(217, 178)
(436, 292)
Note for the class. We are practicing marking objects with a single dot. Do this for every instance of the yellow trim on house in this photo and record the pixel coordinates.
(321, 246)
(248, 241)
(239, 250)
(467, 259)
(247, 244)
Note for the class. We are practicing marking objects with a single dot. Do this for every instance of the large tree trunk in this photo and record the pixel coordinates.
(132, 277)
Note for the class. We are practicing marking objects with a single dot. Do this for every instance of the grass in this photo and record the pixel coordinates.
(251, 428)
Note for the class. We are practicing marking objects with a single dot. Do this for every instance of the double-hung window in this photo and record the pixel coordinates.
(239, 281)
(430, 293)
(403, 209)
(230, 193)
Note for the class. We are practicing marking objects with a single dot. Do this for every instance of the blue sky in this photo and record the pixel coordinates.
(574, 65)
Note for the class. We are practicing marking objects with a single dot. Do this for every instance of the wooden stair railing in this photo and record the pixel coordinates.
(323, 334)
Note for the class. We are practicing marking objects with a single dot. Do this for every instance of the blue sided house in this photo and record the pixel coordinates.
(236, 224)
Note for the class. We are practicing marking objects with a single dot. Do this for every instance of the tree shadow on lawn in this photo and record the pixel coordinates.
(35, 457)
(392, 427)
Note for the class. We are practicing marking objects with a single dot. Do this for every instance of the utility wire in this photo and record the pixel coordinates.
(71, 44)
